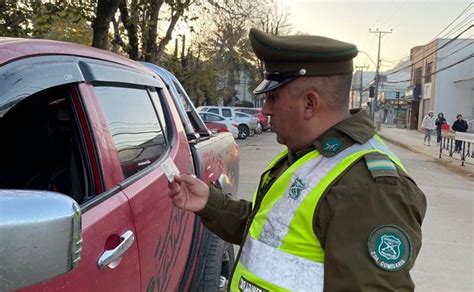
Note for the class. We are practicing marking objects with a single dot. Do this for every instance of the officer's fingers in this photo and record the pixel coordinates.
(189, 179)
(175, 190)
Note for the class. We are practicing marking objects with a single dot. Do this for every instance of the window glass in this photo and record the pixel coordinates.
(226, 112)
(159, 110)
(214, 118)
(429, 68)
(214, 110)
(134, 125)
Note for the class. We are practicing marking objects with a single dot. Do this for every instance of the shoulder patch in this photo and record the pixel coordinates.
(380, 165)
(389, 247)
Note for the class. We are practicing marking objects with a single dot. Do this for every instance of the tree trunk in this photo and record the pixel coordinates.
(100, 25)
(181, 6)
(150, 48)
(130, 23)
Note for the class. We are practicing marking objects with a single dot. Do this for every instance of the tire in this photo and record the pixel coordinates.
(217, 265)
(243, 129)
(242, 136)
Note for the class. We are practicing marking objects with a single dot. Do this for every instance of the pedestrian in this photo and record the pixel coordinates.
(336, 210)
(459, 125)
(428, 125)
(440, 121)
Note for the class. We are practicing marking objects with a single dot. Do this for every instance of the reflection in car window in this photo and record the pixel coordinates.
(134, 126)
(214, 118)
(213, 110)
(226, 112)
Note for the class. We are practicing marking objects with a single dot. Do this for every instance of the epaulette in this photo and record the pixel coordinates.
(380, 165)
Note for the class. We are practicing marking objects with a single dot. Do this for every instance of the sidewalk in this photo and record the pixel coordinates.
(413, 141)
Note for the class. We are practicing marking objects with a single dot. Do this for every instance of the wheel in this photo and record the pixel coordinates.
(243, 129)
(217, 265)
(242, 136)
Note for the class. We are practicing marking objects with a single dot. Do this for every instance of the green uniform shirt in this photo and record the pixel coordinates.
(354, 206)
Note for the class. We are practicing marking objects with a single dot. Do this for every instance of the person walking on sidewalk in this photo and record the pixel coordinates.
(440, 121)
(459, 125)
(428, 125)
(334, 211)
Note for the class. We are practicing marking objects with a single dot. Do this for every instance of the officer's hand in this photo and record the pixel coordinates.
(188, 193)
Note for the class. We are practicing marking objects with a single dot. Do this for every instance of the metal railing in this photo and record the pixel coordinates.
(465, 142)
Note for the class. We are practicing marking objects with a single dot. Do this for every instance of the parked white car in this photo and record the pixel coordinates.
(246, 126)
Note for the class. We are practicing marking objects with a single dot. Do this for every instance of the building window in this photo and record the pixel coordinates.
(429, 68)
(417, 75)
(135, 126)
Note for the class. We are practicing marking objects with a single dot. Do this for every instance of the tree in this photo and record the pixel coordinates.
(58, 20)
(105, 12)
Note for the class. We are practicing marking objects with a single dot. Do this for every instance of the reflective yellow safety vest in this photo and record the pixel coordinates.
(281, 251)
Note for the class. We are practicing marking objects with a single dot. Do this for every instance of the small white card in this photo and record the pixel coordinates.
(170, 169)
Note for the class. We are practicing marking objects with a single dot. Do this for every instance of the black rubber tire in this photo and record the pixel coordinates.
(219, 262)
(244, 130)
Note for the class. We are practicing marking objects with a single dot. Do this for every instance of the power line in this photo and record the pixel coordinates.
(442, 69)
(464, 11)
(444, 36)
(452, 53)
(459, 26)
(462, 43)
(443, 46)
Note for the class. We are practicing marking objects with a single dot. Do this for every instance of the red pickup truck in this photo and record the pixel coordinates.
(83, 198)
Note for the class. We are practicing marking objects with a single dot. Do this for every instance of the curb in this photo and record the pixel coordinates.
(440, 161)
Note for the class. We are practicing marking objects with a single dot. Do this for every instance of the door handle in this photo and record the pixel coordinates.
(109, 256)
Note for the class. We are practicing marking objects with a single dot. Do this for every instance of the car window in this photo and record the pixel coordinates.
(214, 110)
(226, 112)
(134, 125)
(214, 118)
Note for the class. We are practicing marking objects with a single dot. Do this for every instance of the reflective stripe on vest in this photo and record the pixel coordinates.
(281, 251)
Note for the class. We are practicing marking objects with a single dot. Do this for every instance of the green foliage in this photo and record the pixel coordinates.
(213, 49)
(57, 20)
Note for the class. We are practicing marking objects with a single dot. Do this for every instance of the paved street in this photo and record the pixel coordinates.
(446, 262)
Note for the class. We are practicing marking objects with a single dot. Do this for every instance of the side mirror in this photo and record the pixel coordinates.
(40, 237)
(193, 138)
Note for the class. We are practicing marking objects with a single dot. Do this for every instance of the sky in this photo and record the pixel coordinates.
(413, 23)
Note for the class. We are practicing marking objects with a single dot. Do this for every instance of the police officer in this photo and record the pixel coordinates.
(337, 210)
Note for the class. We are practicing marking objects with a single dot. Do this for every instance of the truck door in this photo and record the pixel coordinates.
(145, 132)
(56, 154)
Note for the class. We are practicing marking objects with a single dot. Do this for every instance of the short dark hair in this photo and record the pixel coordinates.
(334, 89)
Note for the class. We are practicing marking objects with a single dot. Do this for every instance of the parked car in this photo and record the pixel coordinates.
(219, 124)
(251, 123)
(262, 119)
(83, 195)
(245, 128)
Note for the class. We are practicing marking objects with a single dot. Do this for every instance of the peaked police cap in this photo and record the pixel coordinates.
(288, 57)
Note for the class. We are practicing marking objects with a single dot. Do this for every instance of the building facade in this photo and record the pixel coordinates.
(442, 80)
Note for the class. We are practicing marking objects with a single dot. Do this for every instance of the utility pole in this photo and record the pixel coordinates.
(361, 88)
(377, 77)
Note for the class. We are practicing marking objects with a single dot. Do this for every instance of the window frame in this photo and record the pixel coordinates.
(167, 135)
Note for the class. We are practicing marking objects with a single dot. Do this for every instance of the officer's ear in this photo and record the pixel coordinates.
(312, 103)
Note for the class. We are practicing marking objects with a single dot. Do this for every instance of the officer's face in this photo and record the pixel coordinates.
(286, 115)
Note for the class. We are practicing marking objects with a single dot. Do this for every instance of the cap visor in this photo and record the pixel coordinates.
(269, 85)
